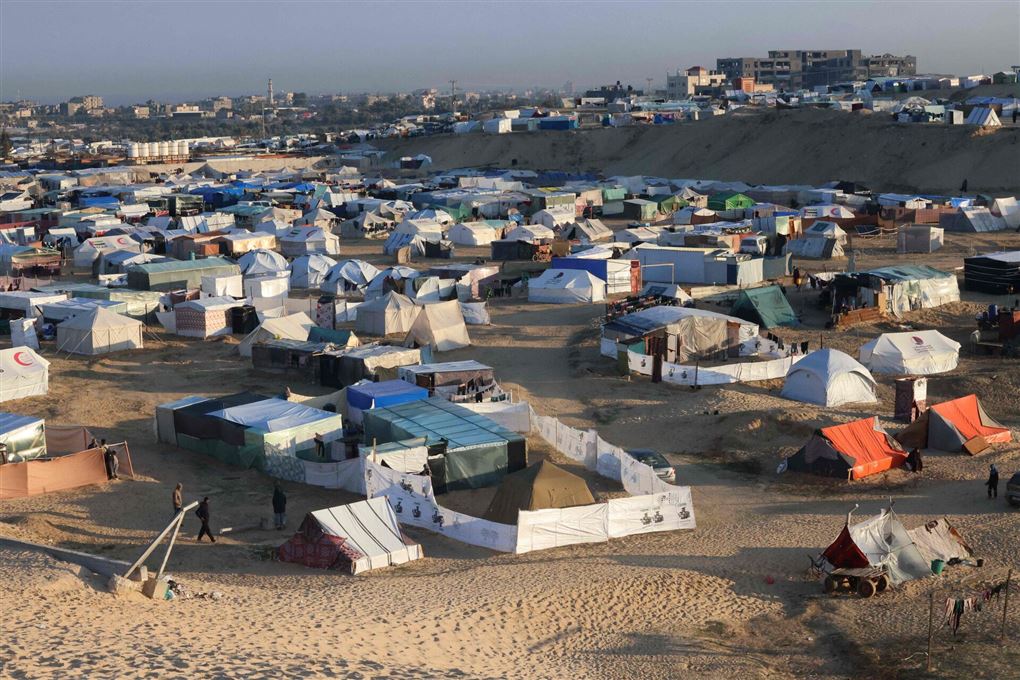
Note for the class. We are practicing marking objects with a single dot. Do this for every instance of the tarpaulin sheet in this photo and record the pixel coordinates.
(272, 415)
(557, 527)
(867, 444)
(967, 416)
(749, 371)
(53, 474)
(515, 417)
(885, 542)
(348, 475)
(61, 439)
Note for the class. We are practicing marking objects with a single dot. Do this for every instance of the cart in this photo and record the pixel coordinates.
(865, 581)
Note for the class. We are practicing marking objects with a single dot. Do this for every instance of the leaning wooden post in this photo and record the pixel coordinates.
(931, 623)
(170, 546)
(175, 522)
(1005, 605)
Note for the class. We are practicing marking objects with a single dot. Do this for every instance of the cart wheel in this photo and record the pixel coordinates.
(830, 585)
(866, 588)
(882, 583)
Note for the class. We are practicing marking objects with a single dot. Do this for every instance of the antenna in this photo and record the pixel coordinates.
(270, 93)
(648, 90)
(453, 97)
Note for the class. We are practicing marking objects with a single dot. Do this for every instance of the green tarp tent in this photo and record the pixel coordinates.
(729, 200)
(767, 307)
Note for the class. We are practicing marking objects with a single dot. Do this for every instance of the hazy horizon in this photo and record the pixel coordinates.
(188, 50)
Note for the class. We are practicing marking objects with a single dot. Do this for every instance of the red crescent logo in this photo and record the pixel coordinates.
(19, 361)
(122, 239)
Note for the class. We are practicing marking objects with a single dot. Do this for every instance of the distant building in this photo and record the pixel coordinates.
(795, 69)
(218, 103)
(140, 111)
(186, 111)
(613, 92)
(683, 84)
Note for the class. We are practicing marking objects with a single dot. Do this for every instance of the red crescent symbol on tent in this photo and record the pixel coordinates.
(122, 239)
(19, 361)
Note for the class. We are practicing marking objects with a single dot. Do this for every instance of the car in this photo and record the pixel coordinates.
(1013, 490)
(657, 462)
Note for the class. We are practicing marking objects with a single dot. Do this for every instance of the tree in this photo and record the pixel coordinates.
(5, 144)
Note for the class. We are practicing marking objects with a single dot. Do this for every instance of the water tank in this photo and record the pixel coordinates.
(133, 150)
(164, 149)
(145, 150)
(182, 148)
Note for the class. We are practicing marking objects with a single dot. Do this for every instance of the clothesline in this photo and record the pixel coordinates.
(956, 607)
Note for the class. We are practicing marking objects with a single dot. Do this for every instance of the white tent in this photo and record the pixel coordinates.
(430, 230)
(475, 313)
(291, 327)
(392, 313)
(826, 211)
(666, 290)
(383, 281)
(984, 117)
(440, 325)
(440, 216)
(885, 541)
(348, 276)
(588, 231)
(552, 217)
(473, 234)
(829, 377)
(307, 240)
(98, 331)
(1006, 208)
(231, 285)
(829, 230)
(24, 373)
(367, 530)
(529, 233)
(258, 262)
(316, 218)
(911, 353)
(308, 271)
(566, 286)
(689, 214)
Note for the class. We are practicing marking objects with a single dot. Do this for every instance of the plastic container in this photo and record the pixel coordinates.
(937, 566)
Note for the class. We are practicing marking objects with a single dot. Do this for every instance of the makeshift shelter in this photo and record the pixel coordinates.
(368, 395)
(815, 248)
(669, 291)
(467, 451)
(919, 238)
(939, 540)
(25, 373)
(291, 327)
(691, 334)
(852, 450)
(983, 117)
(177, 275)
(475, 313)
(537, 487)
(262, 262)
(98, 331)
(549, 218)
(826, 230)
(309, 271)
(729, 200)
(390, 314)
(902, 288)
(828, 377)
(911, 353)
(452, 380)
(473, 234)
(529, 233)
(357, 537)
(566, 286)
(390, 279)
(881, 541)
(300, 241)
(996, 273)
(439, 325)
(205, 317)
(693, 215)
(587, 231)
(950, 425)
(24, 436)
(640, 209)
(348, 276)
(766, 306)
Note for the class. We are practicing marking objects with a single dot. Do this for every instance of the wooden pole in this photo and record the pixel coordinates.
(162, 535)
(1005, 605)
(170, 546)
(931, 627)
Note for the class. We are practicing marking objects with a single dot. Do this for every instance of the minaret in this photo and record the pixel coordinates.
(270, 93)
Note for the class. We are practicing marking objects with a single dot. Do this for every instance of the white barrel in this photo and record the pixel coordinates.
(133, 150)
(164, 149)
(182, 148)
(147, 150)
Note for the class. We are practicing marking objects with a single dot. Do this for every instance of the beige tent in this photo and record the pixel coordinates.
(537, 487)
(391, 313)
(291, 327)
(97, 332)
(440, 325)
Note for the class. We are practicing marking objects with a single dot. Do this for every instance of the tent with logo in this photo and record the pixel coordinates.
(911, 353)
(566, 286)
(881, 541)
(828, 377)
(25, 373)
(308, 271)
(537, 487)
(439, 325)
(951, 424)
(98, 331)
(386, 315)
(357, 538)
(766, 306)
(852, 450)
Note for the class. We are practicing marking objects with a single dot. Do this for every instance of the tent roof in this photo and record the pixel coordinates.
(98, 318)
(537, 487)
(866, 443)
(766, 306)
(272, 415)
(829, 363)
(967, 416)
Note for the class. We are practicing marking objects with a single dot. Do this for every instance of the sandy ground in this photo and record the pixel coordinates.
(731, 599)
(758, 146)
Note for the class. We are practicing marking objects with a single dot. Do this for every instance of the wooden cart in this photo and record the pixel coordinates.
(865, 581)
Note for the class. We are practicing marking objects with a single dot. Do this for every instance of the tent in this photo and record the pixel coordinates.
(766, 306)
(299, 241)
(358, 537)
(204, 317)
(291, 327)
(984, 117)
(919, 238)
(368, 395)
(879, 541)
(828, 377)
(855, 450)
(550, 218)
(392, 278)
(729, 200)
(348, 276)
(475, 313)
(692, 215)
(308, 271)
(529, 233)
(951, 424)
(815, 248)
(826, 230)
(258, 262)
(939, 540)
(537, 487)
(98, 331)
(566, 286)
(588, 231)
(430, 230)
(670, 291)
(440, 325)
(911, 353)
(25, 373)
(473, 234)
(389, 314)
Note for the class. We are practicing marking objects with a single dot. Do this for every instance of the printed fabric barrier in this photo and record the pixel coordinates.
(348, 475)
(717, 375)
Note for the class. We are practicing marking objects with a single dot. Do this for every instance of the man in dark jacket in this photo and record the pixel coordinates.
(993, 482)
(279, 507)
(203, 514)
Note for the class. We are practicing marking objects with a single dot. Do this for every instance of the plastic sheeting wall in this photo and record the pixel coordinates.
(717, 375)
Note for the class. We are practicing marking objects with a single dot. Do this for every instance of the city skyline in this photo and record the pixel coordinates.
(137, 52)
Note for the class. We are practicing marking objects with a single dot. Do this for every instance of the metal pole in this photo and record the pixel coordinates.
(931, 630)
(1005, 605)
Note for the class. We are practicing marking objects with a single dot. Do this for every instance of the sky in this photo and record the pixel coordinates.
(177, 50)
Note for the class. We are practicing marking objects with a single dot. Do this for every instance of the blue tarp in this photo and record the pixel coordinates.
(384, 394)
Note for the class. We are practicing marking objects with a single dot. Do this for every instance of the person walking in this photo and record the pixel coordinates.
(109, 460)
(279, 507)
(993, 481)
(178, 498)
(797, 281)
(203, 514)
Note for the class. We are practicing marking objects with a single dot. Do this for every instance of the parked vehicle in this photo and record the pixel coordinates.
(1013, 490)
(657, 462)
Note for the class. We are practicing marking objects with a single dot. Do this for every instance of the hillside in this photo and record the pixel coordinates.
(774, 147)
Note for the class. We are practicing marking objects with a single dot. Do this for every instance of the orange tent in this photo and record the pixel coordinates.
(969, 419)
(856, 449)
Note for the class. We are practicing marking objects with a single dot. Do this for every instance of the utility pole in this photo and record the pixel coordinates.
(648, 90)
(453, 97)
